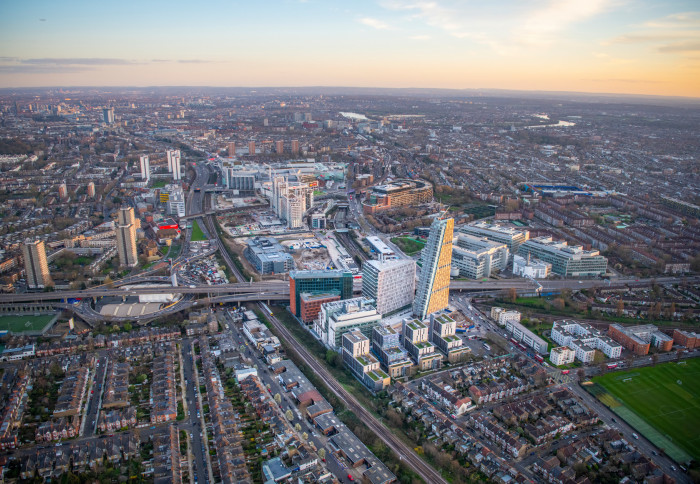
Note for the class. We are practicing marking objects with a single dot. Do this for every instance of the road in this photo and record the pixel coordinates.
(193, 425)
(95, 397)
(424, 470)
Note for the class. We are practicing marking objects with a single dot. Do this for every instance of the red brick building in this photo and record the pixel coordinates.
(310, 305)
(686, 338)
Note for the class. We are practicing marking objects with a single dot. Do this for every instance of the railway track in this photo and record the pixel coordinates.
(420, 467)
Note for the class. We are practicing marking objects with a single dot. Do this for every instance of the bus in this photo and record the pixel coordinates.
(539, 358)
(565, 372)
(488, 348)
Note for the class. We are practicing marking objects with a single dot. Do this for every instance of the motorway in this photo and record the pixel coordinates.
(406, 454)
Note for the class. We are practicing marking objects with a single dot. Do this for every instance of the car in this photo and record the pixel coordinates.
(350, 478)
(654, 452)
(673, 468)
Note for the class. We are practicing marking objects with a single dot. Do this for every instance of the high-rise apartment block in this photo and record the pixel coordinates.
(362, 363)
(108, 115)
(443, 335)
(231, 149)
(339, 317)
(433, 289)
(566, 260)
(126, 237)
(175, 204)
(511, 237)
(390, 283)
(477, 257)
(318, 282)
(145, 168)
(386, 344)
(291, 200)
(251, 147)
(62, 190)
(295, 146)
(279, 147)
(36, 265)
(416, 340)
(174, 163)
(91, 189)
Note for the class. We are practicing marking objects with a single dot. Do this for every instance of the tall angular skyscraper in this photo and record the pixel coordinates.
(145, 168)
(126, 237)
(433, 290)
(35, 264)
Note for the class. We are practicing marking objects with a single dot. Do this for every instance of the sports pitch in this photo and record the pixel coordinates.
(661, 402)
(18, 324)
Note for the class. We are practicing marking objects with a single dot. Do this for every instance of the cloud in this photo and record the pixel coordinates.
(193, 61)
(78, 61)
(41, 69)
(374, 23)
(420, 37)
(543, 25)
(681, 47)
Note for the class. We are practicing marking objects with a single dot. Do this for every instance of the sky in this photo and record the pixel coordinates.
(606, 46)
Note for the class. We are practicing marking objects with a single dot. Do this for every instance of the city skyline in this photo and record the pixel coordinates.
(599, 46)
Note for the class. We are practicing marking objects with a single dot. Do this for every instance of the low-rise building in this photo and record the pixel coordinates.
(416, 335)
(534, 268)
(338, 317)
(562, 355)
(362, 363)
(268, 256)
(567, 261)
(521, 333)
(503, 316)
(386, 344)
(638, 339)
(476, 257)
(688, 339)
(584, 339)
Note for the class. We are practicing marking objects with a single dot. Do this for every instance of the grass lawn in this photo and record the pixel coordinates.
(408, 245)
(197, 234)
(158, 183)
(662, 402)
(17, 324)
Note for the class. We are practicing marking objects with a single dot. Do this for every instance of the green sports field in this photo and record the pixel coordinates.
(197, 234)
(17, 324)
(661, 402)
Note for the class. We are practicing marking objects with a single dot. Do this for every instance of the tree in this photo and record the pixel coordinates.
(322, 453)
(297, 427)
(620, 307)
(304, 436)
(581, 374)
(289, 415)
(512, 294)
(278, 398)
(654, 358)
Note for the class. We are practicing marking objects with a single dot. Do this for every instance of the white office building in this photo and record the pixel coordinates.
(338, 317)
(478, 257)
(176, 200)
(534, 268)
(567, 260)
(509, 236)
(527, 337)
(391, 283)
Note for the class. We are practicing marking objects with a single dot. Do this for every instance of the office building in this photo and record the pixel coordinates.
(433, 290)
(126, 237)
(279, 147)
(36, 265)
(339, 317)
(512, 238)
(231, 149)
(295, 146)
(174, 163)
(251, 147)
(145, 168)
(638, 339)
(267, 256)
(362, 363)
(399, 193)
(567, 261)
(91, 189)
(63, 190)
(311, 305)
(291, 200)
(318, 282)
(533, 268)
(562, 355)
(502, 316)
(477, 257)
(377, 246)
(584, 339)
(416, 340)
(443, 335)
(391, 283)
(175, 200)
(386, 344)
(108, 115)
